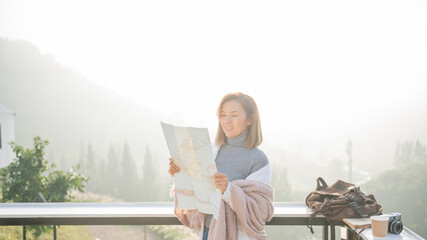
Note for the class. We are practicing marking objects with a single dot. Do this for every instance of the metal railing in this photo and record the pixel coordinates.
(131, 213)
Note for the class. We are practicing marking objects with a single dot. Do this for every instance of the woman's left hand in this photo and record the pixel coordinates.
(220, 181)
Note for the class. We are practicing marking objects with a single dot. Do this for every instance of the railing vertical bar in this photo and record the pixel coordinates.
(325, 232)
(350, 234)
(54, 232)
(24, 232)
(332, 231)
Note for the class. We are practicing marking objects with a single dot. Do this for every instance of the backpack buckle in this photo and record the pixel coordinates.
(357, 190)
(349, 198)
(354, 205)
(356, 208)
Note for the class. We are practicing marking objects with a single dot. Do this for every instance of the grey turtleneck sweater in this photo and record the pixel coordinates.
(238, 162)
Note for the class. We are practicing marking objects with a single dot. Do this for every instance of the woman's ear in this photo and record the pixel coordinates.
(249, 120)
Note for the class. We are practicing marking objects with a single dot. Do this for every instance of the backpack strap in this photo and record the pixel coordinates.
(321, 184)
(357, 208)
(360, 193)
(321, 210)
(353, 201)
(309, 225)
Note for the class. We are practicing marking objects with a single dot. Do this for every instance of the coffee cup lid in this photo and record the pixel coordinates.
(379, 218)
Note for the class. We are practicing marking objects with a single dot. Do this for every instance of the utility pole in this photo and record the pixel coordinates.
(350, 160)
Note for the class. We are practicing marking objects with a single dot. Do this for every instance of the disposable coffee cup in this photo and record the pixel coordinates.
(379, 227)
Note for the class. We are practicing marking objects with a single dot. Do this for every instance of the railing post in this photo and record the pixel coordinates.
(350, 234)
(325, 232)
(24, 234)
(54, 232)
(332, 231)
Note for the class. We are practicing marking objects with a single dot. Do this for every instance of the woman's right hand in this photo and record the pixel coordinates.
(172, 167)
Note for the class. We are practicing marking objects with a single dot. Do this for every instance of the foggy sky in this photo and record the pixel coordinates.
(321, 72)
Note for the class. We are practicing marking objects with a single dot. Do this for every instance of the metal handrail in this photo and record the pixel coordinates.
(129, 213)
(132, 213)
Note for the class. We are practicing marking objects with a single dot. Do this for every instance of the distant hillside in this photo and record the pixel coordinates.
(61, 105)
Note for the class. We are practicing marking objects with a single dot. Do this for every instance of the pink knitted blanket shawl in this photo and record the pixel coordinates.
(253, 207)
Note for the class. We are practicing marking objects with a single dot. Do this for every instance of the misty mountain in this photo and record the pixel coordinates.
(61, 105)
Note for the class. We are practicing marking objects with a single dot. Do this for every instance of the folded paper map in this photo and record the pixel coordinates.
(358, 222)
(192, 152)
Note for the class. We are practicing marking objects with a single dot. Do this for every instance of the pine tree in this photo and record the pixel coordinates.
(113, 173)
(281, 184)
(91, 169)
(409, 153)
(101, 187)
(420, 152)
(129, 190)
(149, 193)
(82, 159)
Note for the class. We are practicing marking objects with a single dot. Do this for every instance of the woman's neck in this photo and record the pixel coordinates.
(237, 141)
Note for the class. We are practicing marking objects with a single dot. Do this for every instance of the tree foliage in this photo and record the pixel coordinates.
(282, 188)
(149, 176)
(409, 152)
(403, 190)
(130, 189)
(30, 174)
(91, 170)
(113, 173)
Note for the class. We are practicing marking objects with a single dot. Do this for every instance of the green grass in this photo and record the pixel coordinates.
(62, 232)
(73, 232)
(168, 232)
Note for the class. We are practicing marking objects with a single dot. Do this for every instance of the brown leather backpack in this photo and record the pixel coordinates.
(340, 200)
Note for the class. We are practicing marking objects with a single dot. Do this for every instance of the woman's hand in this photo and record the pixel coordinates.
(220, 181)
(172, 167)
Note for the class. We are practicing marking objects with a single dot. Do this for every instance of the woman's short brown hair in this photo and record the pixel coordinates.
(254, 138)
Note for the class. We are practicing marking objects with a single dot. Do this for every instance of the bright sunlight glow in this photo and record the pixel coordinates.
(323, 70)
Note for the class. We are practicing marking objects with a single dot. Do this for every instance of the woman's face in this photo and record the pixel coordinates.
(233, 119)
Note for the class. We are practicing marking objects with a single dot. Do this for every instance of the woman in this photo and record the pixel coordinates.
(243, 175)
